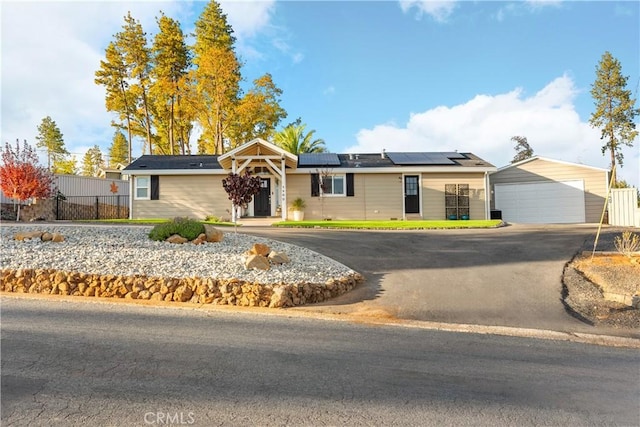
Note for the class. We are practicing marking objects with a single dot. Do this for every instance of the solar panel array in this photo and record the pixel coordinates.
(318, 159)
(424, 158)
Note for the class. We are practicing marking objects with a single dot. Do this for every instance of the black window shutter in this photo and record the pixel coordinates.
(155, 187)
(350, 190)
(315, 185)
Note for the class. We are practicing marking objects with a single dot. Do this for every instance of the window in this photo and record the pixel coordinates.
(333, 185)
(142, 187)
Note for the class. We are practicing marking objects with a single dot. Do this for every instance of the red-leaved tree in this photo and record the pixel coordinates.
(21, 176)
(241, 189)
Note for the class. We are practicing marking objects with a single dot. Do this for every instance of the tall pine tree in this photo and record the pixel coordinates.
(92, 161)
(113, 76)
(523, 149)
(118, 150)
(171, 62)
(50, 138)
(216, 76)
(132, 42)
(615, 110)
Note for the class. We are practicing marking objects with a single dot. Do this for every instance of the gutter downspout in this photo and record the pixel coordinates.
(487, 198)
(131, 179)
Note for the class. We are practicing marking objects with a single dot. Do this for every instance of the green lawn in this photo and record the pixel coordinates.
(392, 225)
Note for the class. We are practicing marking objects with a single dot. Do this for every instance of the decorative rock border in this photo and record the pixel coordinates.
(196, 290)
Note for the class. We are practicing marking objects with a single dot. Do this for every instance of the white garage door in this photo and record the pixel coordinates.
(541, 202)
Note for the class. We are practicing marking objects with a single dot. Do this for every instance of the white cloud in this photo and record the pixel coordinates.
(50, 52)
(485, 124)
(537, 4)
(248, 18)
(522, 8)
(439, 10)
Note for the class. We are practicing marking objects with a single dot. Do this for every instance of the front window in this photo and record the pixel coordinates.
(332, 185)
(142, 184)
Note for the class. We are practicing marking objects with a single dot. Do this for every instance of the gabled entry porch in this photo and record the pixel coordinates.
(269, 162)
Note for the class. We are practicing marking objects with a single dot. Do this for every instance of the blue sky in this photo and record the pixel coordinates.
(410, 76)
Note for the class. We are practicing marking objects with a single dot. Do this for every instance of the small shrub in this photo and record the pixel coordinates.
(627, 243)
(212, 218)
(298, 204)
(185, 227)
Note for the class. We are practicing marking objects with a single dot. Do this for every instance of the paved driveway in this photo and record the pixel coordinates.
(509, 276)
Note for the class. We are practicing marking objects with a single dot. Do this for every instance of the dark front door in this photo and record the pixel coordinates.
(411, 194)
(262, 205)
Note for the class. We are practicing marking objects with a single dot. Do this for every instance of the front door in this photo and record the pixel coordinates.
(411, 194)
(262, 205)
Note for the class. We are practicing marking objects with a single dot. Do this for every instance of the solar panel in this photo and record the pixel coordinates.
(455, 155)
(318, 159)
(420, 159)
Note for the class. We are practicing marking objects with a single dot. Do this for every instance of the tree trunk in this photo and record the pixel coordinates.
(148, 120)
(612, 146)
(171, 143)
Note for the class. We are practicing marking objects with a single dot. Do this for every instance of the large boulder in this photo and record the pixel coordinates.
(278, 257)
(260, 249)
(57, 238)
(213, 234)
(256, 261)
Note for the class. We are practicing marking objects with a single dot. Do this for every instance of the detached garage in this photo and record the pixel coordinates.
(546, 191)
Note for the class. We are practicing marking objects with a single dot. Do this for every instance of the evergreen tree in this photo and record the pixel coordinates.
(92, 161)
(67, 166)
(118, 150)
(615, 109)
(113, 76)
(216, 76)
(523, 149)
(50, 138)
(132, 43)
(171, 62)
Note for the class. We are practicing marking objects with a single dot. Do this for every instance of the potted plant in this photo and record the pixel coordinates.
(297, 206)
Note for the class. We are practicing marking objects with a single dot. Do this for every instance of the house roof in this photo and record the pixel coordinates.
(207, 164)
(547, 159)
(186, 162)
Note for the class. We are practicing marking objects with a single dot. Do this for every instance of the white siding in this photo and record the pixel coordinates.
(544, 170)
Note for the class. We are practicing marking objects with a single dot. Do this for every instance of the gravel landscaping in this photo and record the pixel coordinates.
(590, 287)
(122, 262)
(128, 251)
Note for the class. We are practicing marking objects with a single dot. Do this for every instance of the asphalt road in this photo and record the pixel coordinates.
(82, 363)
(509, 276)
